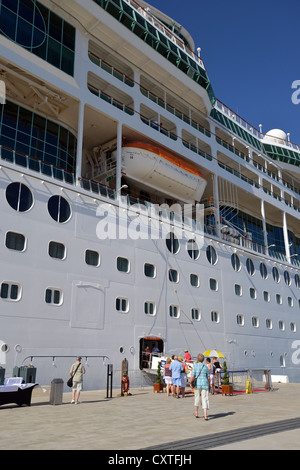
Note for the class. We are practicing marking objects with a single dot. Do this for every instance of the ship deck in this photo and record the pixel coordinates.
(149, 420)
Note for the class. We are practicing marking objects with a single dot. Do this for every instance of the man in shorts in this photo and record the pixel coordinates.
(176, 367)
(77, 371)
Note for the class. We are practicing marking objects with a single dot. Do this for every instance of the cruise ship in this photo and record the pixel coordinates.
(136, 208)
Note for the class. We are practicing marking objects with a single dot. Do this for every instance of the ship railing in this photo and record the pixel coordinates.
(110, 69)
(146, 13)
(21, 159)
(249, 128)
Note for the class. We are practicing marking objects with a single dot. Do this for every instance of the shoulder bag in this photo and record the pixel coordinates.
(70, 381)
(194, 382)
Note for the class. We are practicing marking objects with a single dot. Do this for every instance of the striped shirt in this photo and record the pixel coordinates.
(201, 372)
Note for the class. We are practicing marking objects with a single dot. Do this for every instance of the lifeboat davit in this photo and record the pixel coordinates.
(160, 170)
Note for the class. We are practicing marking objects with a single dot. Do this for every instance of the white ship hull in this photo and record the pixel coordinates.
(81, 272)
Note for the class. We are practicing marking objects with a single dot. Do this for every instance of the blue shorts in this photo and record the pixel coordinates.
(176, 382)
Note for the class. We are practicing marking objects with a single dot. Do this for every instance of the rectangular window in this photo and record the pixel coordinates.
(255, 322)
(15, 241)
(57, 250)
(266, 296)
(122, 264)
(122, 304)
(215, 317)
(238, 289)
(174, 311)
(92, 258)
(53, 296)
(149, 308)
(10, 291)
(173, 275)
(149, 270)
(194, 280)
(213, 284)
(195, 314)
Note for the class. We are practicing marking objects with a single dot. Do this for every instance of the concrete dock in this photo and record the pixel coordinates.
(143, 420)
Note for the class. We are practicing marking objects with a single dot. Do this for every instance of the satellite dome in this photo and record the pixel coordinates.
(276, 135)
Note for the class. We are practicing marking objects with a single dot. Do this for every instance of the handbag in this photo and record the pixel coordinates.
(70, 381)
(194, 381)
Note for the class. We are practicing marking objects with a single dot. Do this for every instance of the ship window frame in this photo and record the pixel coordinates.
(281, 325)
(238, 290)
(15, 241)
(193, 249)
(250, 266)
(174, 311)
(148, 305)
(120, 300)
(252, 293)
(240, 319)
(154, 270)
(276, 274)
(215, 316)
(120, 267)
(290, 301)
(287, 278)
(255, 321)
(266, 296)
(269, 324)
(89, 252)
(211, 255)
(52, 291)
(173, 275)
(297, 280)
(60, 251)
(293, 327)
(172, 242)
(59, 208)
(235, 262)
(195, 314)
(213, 284)
(194, 280)
(278, 299)
(19, 197)
(263, 270)
(9, 295)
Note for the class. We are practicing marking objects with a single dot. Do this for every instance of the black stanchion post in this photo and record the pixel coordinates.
(109, 380)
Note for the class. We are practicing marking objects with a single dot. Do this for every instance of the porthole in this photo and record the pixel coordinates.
(297, 280)
(211, 254)
(172, 243)
(5, 348)
(19, 197)
(235, 262)
(287, 278)
(250, 267)
(275, 274)
(193, 249)
(59, 209)
(263, 270)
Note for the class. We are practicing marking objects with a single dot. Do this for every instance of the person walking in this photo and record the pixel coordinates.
(211, 369)
(176, 367)
(200, 372)
(168, 376)
(77, 371)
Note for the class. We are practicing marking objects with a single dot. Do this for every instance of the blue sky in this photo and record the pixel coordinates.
(251, 51)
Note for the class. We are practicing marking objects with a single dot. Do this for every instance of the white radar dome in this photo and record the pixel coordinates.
(276, 136)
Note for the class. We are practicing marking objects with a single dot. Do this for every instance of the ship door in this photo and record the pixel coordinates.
(150, 346)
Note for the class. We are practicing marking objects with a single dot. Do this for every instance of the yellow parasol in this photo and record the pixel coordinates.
(213, 353)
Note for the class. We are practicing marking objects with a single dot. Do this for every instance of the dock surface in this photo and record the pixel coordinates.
(147, 420)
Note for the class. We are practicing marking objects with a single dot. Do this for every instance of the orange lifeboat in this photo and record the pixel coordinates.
(163, 171)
